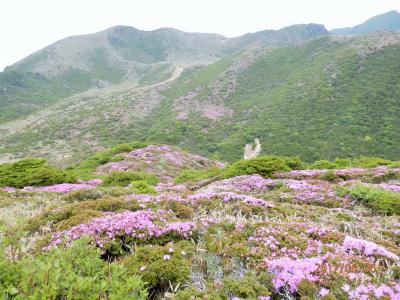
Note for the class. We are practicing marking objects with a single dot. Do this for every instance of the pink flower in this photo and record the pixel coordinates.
(324, 292)
(166, 257)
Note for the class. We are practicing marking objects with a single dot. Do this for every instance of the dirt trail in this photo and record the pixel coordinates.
(12, 127)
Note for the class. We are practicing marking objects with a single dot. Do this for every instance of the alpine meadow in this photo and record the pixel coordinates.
(164, 164)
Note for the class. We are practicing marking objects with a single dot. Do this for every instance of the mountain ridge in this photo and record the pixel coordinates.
(386, 21)
(117, 54)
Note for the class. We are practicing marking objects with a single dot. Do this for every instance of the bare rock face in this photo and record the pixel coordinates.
(162, 160)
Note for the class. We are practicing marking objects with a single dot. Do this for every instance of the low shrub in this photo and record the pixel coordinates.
(192, 175)
(161, 266)
(295, 163)
(81, 212)
(323, 164)
(76, 272)
(83, 195)
(142, 187)
(86, 168)
(32, 172)
(265, 166)
(380, 200)
(247, 287)
(329, 176)
(124, 178)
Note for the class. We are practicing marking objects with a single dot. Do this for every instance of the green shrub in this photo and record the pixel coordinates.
(295, 163)
(32, 172)
(247, 287)
(323, 164)
(159, 267)
(76, 272)
(80, 212)
(265, 166)
(369, 162)
(193, 294)
(142, 187)
(124, 178)
(329, 176)
(193, 175)
(390, 175)
(380, 200)
(307, 288)
(86, 168)
(83, 195)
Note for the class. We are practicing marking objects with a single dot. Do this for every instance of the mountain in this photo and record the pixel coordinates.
(389, 21)
(120, 54)
(326, 98)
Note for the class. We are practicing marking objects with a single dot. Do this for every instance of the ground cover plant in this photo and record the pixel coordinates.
(266, 228)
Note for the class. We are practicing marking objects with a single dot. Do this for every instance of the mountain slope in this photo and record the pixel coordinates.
(120, 54)
(389, 21)
(330, 97)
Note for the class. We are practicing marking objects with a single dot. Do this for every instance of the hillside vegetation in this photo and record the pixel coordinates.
(266, 228)
(348, 85)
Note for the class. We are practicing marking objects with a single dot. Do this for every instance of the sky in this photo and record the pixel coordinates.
(29, 25)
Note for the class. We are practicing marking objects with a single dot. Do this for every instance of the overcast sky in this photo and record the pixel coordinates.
(28, 25)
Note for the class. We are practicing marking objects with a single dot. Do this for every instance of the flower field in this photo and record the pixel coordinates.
(299, 234)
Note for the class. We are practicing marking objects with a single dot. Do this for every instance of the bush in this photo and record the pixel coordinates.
(369, 162)
(81, 212)
(160, 267)
(76, 272)
(124, 178)
(197, 175)
(380, 200)
(323, 164)
(142, 187)
(83, 195)
(295, 163)
(86, 168)
(329, 176)
(265, 166)
(32, 172)
(247, 287)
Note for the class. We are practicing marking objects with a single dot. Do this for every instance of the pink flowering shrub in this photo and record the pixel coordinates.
(291, 272)
(369, 291)
(192, 198)
(243, 184)
(127, 226)
(367, 248)
(64, 187)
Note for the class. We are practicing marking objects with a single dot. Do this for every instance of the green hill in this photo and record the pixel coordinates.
(120, 54)
(330, 97)
(389, 21)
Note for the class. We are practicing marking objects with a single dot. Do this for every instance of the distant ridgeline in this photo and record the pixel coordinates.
(301, 90)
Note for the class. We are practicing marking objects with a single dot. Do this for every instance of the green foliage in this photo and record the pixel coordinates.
(247, 287)
(76, 272)
(32, 172)
(307, 288)
(142, 187)
(197, 175)
(124, 178)
(86, 168)
(329, 176)
(83, 195)
(192, 293)
(265, 166)
(358, 162)
(159, 267)
(79, 212)
(380, 200)
(323, 164)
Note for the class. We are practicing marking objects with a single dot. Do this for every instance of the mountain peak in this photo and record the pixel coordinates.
(389, 21)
